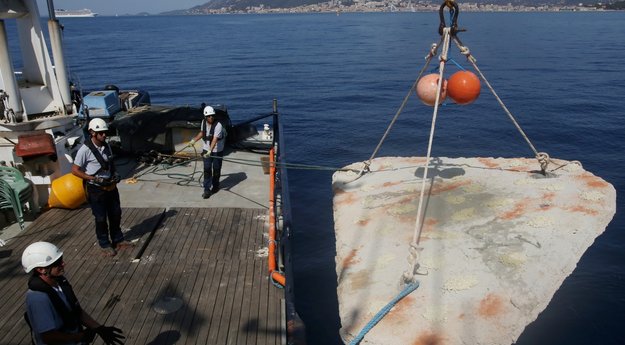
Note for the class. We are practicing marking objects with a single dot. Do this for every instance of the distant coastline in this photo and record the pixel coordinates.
(387, 6)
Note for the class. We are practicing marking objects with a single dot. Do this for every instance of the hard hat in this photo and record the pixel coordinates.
(98, 125)
(208, 111)
(40, 254)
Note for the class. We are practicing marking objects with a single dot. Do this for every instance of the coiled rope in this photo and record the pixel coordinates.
(405, 292)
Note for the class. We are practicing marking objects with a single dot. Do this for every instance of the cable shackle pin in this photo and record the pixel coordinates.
(454, 10)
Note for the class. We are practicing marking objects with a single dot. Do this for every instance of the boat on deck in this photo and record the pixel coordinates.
(44, 115)
(458, 250)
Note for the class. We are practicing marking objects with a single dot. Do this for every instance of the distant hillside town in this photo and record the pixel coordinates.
(338, 6)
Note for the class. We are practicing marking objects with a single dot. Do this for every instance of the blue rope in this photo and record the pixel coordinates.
(407, 290)
(457, 64)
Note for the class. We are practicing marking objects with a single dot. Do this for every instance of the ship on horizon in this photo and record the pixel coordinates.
(84, 13)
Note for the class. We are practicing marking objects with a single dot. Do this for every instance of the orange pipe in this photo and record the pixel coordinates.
(275, 275)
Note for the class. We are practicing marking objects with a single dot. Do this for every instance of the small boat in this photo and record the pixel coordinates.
(83, 13)
(458, 250)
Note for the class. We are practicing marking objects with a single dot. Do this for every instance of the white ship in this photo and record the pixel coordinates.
(84, 13)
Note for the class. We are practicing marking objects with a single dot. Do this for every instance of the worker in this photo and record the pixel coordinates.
(94, 164)
(213, 135)
(52, 309)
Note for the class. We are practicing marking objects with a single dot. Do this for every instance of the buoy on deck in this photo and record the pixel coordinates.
(426, 89)
(463, 87)
(67, 191)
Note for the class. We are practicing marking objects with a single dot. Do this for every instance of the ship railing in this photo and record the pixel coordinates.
(280, 202)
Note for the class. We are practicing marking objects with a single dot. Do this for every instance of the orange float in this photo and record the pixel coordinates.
(426, 89)
(463, 87)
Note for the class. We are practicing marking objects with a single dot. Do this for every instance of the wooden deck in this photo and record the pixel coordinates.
(202, 261)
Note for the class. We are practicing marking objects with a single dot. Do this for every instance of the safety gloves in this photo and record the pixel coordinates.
(191, 143)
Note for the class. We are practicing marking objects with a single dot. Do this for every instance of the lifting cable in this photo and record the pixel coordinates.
(449, 33)
(413, 256)
(542, 157)
(428, 58)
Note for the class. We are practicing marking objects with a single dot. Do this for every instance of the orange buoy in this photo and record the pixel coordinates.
(67, 191)
(464, 87)
(426, 89)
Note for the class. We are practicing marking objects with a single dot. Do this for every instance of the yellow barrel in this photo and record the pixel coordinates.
(67, 192)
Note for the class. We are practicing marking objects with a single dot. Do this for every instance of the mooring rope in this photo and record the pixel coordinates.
(405, 292)
(186, 179)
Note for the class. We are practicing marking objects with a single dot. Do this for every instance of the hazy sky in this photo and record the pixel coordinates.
(113, 7)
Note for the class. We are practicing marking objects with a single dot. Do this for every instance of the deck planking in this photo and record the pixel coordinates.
(204, 258)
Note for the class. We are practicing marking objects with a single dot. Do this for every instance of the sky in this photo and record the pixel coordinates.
(121, 7)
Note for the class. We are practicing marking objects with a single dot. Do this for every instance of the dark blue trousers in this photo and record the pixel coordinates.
(212, 171)
(105, 205)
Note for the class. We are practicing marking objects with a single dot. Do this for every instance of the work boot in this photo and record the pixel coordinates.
(206, 195)
(109, 251)
(124, 244)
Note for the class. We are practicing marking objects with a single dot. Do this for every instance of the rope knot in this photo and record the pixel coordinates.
(543, 160)
(413, 261)
(433, 51)
(365, 167)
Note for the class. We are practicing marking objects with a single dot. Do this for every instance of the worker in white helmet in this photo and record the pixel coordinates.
(52, 309)
(94, 164)
(213, 135)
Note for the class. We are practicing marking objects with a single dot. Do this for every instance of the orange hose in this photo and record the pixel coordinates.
(275, 275)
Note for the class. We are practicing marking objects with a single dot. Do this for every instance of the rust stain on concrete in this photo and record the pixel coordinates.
(488, 162)
(363, 222)
(350, 259)
(390, 184)
(429, 224)
(593, 181)
(346, 198)
(400, 313)
(446, 187)
(517, 211)
(583, 209)
(491, 306)
(429, 338)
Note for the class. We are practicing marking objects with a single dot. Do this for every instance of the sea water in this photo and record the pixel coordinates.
(339, 79)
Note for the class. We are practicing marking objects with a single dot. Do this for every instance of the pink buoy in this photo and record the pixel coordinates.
(426, 89)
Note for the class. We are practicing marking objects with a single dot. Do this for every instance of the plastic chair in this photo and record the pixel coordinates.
(21, 189)
(8, 200)
(16, 180)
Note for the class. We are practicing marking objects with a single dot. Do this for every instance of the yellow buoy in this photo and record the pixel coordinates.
(67, 191)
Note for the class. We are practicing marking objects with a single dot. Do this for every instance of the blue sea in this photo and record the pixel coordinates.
(340, 79)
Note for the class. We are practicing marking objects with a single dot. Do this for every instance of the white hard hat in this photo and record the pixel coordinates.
(98, 125)
(208, 111)
(40, 254)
